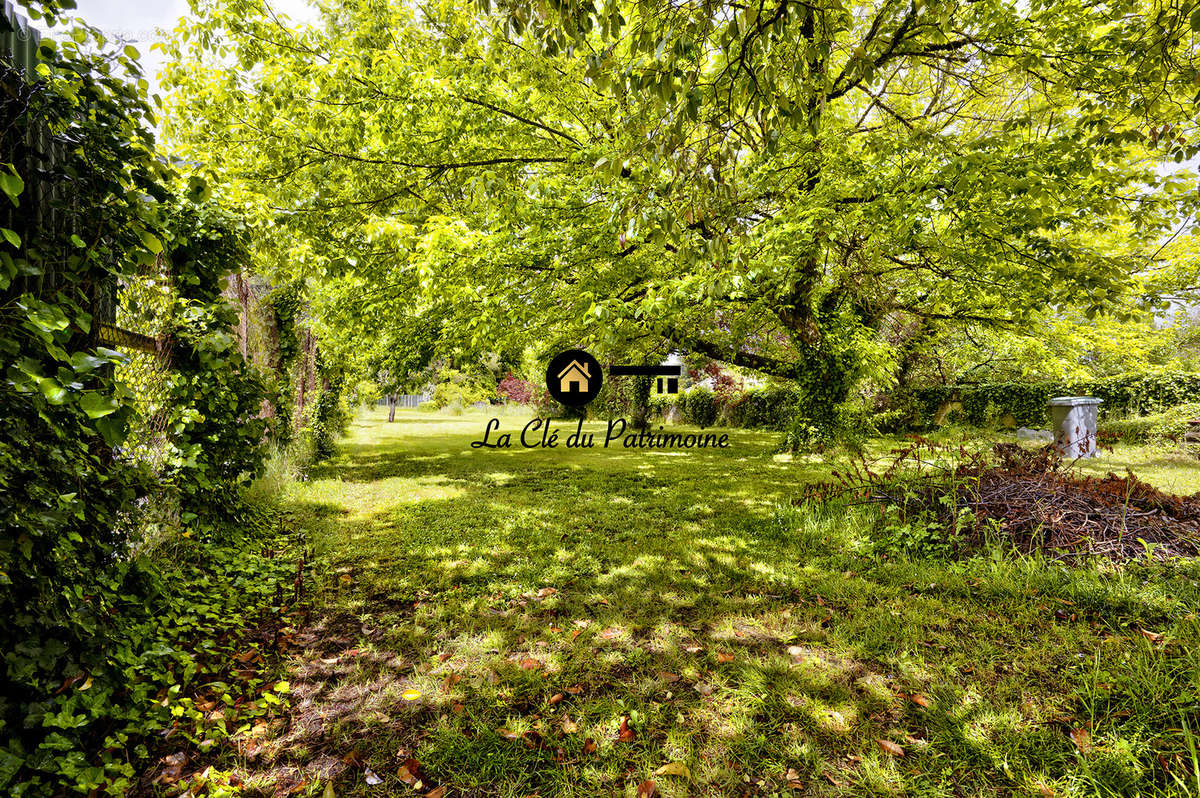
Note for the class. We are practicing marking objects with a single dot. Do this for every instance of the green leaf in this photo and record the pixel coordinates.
(11, 184)
(97, 405)
(11, 237)
(55, 394)
(152, 243)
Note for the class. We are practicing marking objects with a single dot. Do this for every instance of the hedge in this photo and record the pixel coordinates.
(1123, 395)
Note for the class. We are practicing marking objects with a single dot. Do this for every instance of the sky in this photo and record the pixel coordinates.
(134, 21)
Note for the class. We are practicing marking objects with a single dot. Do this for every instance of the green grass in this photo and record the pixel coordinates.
(767, 648)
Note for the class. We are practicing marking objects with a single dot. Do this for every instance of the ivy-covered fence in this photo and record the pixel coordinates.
(1025, 403)
(103, 640)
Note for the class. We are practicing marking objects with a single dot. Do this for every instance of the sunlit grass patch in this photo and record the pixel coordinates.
(541, 599)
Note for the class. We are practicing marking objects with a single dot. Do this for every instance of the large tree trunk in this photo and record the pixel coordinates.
(391, 407)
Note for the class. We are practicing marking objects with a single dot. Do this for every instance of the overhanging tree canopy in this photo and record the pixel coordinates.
(794, 187)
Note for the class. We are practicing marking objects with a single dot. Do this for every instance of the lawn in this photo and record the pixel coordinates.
(570, 622)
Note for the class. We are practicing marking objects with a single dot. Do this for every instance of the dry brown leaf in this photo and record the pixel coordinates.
(724, 656)
(173, 768)
(669, 677)
(890, 747)
(436, 792)
(626, 734)
(1082, 740)
(546, 591)
(576, 690)
(703, 688)
(530, 664)
(569, 726)
(647, 789)
(457, 708)
(408, 772)
(920, 700)
(1153, 637)
(610, 633)
(508, 734)
(554, 699)
(589, 746)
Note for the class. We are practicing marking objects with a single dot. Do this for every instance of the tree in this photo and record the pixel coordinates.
(780, 186)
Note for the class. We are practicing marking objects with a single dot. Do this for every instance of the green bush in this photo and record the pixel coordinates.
(464, 390)
(987, 403)
(699, 406)
(1167, 426)
(769, 407)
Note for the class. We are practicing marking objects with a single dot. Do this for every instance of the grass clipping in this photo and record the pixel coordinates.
(1031, 498)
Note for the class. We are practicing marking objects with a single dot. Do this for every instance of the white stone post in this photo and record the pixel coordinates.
(1074, 422)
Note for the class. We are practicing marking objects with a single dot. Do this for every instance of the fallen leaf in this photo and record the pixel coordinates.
(610, 633)
(626, 734)
(647, 789)
(1153, 637)
(354, 758)
(569, 726)
(408, 772)
(589, 746)
(834, 781)
(436, 792)
(1044, 790)
(372, 779)
(508, 734)
(457, 709)
(703, 689)
(674, 769)
(890, 747)
(669, 677)
(530, 664)
(1082, 740)
(546, 591)
(693, 649)
(554, 699)
(576, 690)
(411, 695)
(723, 657)
(173, 770)
(346, 578)
(451, 680)
(920, 700)
(329, 793)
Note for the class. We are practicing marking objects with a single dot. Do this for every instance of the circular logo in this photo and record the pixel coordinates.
(574, 378)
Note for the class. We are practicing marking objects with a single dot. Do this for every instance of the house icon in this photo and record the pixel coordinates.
(574, 378)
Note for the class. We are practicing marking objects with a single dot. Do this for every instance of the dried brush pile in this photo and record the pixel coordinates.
(1029, 497)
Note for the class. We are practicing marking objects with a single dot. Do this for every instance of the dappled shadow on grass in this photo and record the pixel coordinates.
(549, 599)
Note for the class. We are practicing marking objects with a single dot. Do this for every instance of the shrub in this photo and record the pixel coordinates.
(699, 407)
(515, 389)
(1167, 426)
(770, 407)
(461, 389)
(983, 403)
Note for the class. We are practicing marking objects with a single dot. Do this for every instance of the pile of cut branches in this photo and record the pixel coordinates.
(1031, 497)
